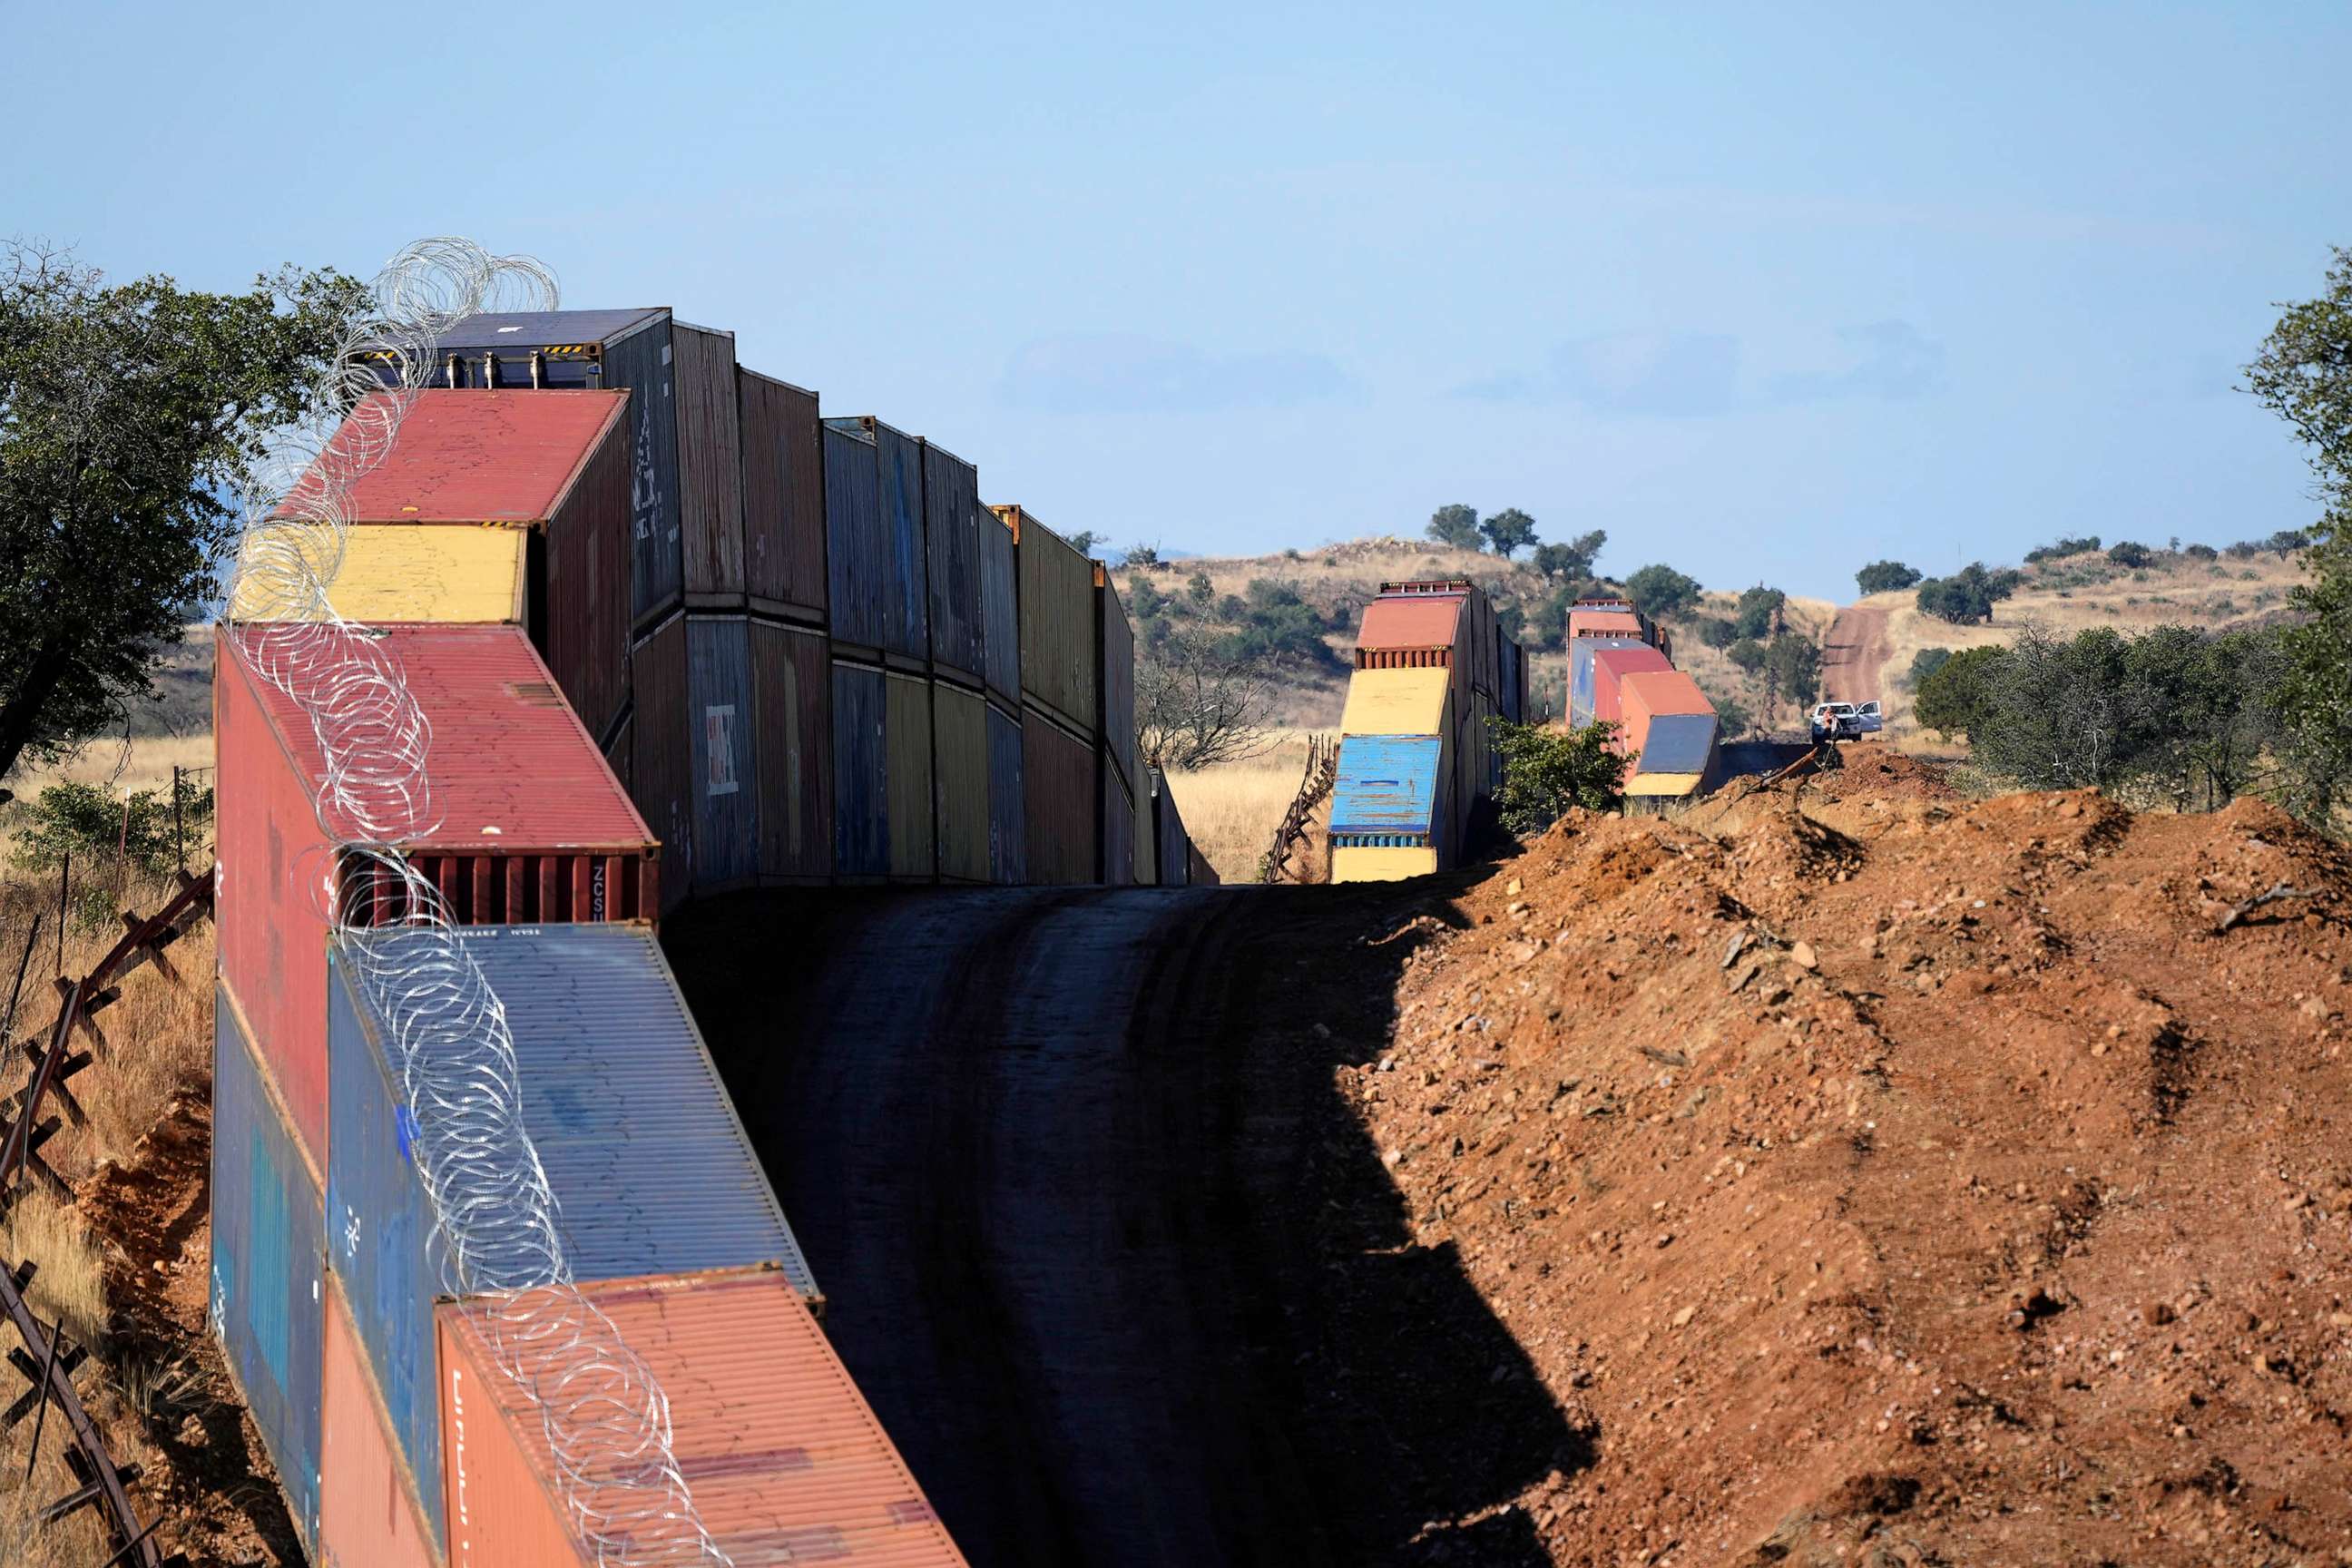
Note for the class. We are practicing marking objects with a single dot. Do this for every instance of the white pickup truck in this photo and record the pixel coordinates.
(1845, 720)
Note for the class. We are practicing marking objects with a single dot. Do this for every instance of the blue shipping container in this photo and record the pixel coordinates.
(1008, 831)
(861, 778)
(1387, 784)
(1678, 744)
(999, 605)
(723, 732)
(900, 458)
(856, 563)
(952, 544)
(1579, 673)
(268, 1238)
(647, 1161)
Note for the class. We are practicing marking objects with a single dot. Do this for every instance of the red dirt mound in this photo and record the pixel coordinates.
(1974, 1189)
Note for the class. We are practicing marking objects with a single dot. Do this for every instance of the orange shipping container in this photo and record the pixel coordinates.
(784, 1458)
(368, 1513)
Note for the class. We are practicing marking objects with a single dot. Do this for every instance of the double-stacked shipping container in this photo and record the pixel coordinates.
(1061, 696)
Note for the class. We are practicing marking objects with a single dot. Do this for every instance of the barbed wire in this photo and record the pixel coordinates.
(601, 1412)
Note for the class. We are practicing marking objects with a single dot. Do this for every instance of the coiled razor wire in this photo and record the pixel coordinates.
(604, 1418)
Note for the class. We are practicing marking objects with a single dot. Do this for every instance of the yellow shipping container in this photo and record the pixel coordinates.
(1667, 785)
(425, 571)
(1382, 865)
(1397, 703)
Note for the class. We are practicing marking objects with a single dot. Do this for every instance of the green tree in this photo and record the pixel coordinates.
(1146, 554)
(2304, 374)
(1278, 628)
(1716, 631)
(1145, 602)
(1084, 543)
(1546, 772)
(1885, 577)
(1573, 559)
(1956, 698)
(1924, 663)
(1508, 531)
(1747, 654)
(1752, 617)
(1795, 664)
(1658, 591)
(1456, 525)
(2129, 553)
(2063, 548)
(126, 411)
(1199, 590)
(1967, 595)
(1548, 625)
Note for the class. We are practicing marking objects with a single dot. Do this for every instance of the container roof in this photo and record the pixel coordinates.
(1413, 621)
(1659, 691)
(474, 456)
(650, 1168)
(786, 1459)
(1387, 784)
(1640, 659)
(1612, 623)
(512, 769)
(523, 330)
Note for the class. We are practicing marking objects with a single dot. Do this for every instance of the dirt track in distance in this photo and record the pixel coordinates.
(1854, 655)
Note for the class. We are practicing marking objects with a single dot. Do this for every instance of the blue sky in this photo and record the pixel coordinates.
(1766, 292)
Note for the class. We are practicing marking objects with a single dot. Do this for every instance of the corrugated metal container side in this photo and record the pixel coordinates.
(1116, 869)
(584, 630)
(960, 788)
(1580, 652)
(899, 597)
(267, 1239)
(1059, 663)
(1410, 701)
(1147, 831)
(1388, 786)
(1115, 638)
(784, 1456)
(906, 745)
(1008, 833)
(856, 551)
(1507, 655)
(1669, 723)
(1200, 873)
(951, 546)
(642, 1148)
(1610, 668)
(619, 756)
(272, 860)
(611, 351)
(1000, 605)
(662, 766)
(709, 465)
(369, 1514)
(1062, 803)
(792, 691)
(784, 498)
(861, 773)
(726, 766)
(1172, 843)
(1606, 623)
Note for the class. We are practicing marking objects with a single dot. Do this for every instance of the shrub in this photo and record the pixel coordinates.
(1659, 590)
(1747, 654)
(1885, 577)
(1924, 663)
(2064, 547)
(1757, 605)
(1546, 772)
(1715, 631)
(2200, 553)
(2125, 553)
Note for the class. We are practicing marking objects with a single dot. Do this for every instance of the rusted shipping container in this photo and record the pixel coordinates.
(370, 1511)
(1115, 637)
(792, 691)
(662, 765)
(1419, 631)
(1059, 664)
(1008, 832)
(783, 498)
(1610, 668)
(960, 766)
(555, 467)
(724, 737)
(857, 553)
(951, 547)
(709, 465)
(269, 1240)
(1063, 801)
(999, 605)
(784, 1456)
(1116, 865)
(907, 774)
(861, 773)
(639, 1144)
(608, 350)
(530, 828)
(891, 613)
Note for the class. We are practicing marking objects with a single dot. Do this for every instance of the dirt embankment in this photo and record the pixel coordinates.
(1957, 1183)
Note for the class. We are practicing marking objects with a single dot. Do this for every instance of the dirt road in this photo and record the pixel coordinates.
(1853, 658)
(1103, 1246)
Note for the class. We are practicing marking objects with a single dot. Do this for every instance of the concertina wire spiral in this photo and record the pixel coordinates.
(606, 1421)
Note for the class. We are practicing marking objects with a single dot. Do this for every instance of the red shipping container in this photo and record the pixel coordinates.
(1610, 666)
(368, 1513)
(531, 828)
(556, 463)
(1606, 623)
(784, 1458)
(1421, 629)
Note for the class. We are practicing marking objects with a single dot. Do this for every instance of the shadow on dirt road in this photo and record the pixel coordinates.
(1110, 1258)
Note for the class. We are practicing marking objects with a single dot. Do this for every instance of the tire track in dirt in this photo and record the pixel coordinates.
(1855, 655)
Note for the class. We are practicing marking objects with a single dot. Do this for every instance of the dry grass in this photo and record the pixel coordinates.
(144, 762)
(1232, 811)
